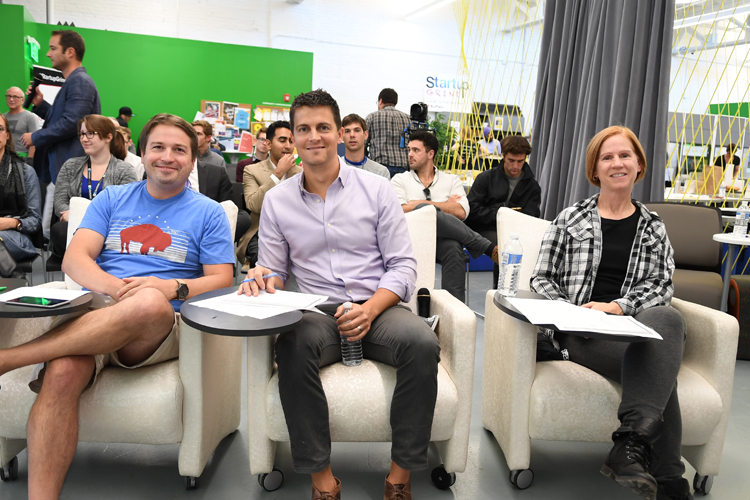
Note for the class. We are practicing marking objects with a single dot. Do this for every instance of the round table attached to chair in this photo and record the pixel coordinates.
(221, 323)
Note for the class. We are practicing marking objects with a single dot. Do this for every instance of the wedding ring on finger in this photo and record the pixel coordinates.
(359, 328)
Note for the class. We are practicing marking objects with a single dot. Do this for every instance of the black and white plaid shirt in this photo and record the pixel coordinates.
(385, 127)
(572, 250)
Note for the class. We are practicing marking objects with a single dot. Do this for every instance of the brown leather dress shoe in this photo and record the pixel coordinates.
(334, 494)
(397, 491)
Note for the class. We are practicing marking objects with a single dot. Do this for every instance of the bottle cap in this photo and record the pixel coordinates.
(514, 236)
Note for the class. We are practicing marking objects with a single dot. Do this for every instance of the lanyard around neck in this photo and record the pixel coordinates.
(97, 190)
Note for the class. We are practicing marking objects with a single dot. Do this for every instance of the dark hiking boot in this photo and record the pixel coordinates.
(677, 489)
(630, 459)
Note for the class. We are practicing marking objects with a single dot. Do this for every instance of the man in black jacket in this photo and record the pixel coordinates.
(511, 185)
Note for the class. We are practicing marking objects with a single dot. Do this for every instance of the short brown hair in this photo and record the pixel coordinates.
(388, 96)
(429, 140)
(70, 38)
(354, 117)
(263, 130)
(515, 145)
(104, 127)
(595, 146)
(9, 145)
(208, 129)
(314, 99)
(170, 121)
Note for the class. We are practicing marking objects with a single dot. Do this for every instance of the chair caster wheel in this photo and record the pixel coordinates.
(442, 479)
(271, 481)
(191, 482)
(702, 484)
(521, 478)
(10, 471)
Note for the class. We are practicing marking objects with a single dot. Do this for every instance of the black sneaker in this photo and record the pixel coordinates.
(628, 464)
(677, 489)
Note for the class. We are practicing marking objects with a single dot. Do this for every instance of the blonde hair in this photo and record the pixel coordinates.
(595, 146)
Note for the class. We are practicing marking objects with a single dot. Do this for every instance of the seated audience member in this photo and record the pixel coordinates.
(355, 136)
(193, 255)
(469, 149)
(20, 201)
(213, 181)
(87, 176)
(131, 159)
(489, 143)
(611, 254)
(511, 185)
(372, 266)
(261, 177)
(260, 153)
(206, 156)
(425, 185)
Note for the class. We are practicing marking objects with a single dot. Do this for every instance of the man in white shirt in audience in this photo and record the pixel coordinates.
(424, 185)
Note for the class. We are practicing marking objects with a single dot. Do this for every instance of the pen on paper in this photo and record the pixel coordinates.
(265, 276)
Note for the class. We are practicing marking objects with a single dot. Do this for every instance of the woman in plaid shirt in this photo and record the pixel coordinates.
(611, 254)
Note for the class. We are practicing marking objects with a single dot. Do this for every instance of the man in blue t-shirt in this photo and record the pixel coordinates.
(148, 246)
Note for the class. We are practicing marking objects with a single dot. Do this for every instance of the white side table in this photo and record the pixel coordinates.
(732, 241)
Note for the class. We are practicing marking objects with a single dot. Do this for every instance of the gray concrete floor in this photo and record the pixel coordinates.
(562, 470)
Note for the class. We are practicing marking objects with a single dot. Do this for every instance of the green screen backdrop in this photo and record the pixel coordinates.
(158, 74)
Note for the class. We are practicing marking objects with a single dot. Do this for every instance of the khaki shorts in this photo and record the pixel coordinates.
(168, 349)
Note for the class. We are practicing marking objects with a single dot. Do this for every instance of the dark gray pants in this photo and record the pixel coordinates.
(491, 234)
(452, 236)
(648, 374)
(397, 337)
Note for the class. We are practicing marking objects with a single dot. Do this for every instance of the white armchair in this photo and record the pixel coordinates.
(564, 401)
(193, 400)
(363, 415)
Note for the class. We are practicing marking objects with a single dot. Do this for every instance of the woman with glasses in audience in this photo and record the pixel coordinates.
(87, 176)
(609, 253)
(20, 204)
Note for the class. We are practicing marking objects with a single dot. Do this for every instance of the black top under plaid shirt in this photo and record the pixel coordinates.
(386, 126)
(571, 252)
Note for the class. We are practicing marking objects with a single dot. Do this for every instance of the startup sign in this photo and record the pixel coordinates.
(444, 93)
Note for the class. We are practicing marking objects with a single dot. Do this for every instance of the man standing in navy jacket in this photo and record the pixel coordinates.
(57, 141)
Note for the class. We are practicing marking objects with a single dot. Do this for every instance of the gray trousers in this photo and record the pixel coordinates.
(452, 236)
(397, 337)
(648, 374)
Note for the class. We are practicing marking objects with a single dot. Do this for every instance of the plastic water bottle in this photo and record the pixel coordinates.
(351, 352)
(510, 267)
(740, 220)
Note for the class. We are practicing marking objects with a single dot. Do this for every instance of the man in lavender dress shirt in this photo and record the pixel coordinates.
(343, 234)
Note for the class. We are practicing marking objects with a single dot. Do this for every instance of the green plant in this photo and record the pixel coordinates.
(444, 136)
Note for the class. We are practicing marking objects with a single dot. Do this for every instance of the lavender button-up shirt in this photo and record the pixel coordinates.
(346, 246)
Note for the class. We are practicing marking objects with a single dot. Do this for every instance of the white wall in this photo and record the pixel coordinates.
(359, 47)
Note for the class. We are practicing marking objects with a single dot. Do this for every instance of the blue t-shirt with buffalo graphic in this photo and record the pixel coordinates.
(168, 239)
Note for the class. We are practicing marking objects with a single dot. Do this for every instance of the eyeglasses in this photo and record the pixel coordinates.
(89, 135)
(8, 96)
(426, 192)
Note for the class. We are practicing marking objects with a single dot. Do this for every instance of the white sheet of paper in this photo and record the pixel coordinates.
(568, 317)
(265, 305)
(47, 293)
